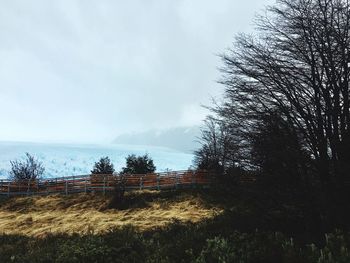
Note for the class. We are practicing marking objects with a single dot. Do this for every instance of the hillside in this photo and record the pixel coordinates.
(240, 225)
(94, 213)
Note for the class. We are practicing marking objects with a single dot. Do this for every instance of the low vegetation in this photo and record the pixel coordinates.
(94, 213)
(243, 225)
(177, 243)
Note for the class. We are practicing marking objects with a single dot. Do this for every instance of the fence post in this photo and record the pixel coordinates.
(8, 189)
(85, 185)
(192, 179)
(104, 185)
(2, 186)
(158, 179)
(73, 182)
(176, 181)
(141, 182)
(66, 182)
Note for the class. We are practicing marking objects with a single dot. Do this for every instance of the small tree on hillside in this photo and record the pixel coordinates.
(134, 165)
(30, 169)
(218, 147)
(119, 192)
(138, 165)
(103, 166)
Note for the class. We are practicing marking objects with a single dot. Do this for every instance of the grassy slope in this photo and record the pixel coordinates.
(238, 225)
(92, 213)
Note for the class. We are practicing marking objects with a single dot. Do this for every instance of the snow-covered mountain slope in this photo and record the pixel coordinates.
(66, 160)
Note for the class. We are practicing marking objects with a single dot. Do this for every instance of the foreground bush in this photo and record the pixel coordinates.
(177, 243)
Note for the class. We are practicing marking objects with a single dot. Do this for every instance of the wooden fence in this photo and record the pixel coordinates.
(106, 183)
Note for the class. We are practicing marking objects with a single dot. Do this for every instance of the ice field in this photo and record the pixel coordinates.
(73, 159)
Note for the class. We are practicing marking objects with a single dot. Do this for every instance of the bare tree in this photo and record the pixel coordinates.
(217, 151)
(28, 170)
(299, 64)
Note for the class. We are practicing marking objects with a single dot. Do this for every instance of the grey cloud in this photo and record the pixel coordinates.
(90, 70)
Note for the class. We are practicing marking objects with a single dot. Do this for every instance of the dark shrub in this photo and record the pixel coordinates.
(138, 165)
(119, 191)
(30, 169)
(103, 166)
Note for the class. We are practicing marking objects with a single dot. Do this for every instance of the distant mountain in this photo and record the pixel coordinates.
(183, 139)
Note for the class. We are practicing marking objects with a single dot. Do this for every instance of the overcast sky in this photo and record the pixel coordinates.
(87, 71)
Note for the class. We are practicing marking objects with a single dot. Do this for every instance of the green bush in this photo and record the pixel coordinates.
(178, 242)
(103, 166)
(138, 165)
(217, 250)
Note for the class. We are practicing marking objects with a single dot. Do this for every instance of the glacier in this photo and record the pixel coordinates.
(78, 159)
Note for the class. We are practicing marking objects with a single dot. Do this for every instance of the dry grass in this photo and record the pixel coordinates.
(91, 213)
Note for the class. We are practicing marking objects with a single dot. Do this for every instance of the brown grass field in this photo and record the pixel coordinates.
(92, 213)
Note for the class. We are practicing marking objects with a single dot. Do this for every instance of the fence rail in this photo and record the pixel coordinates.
(106, 183)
